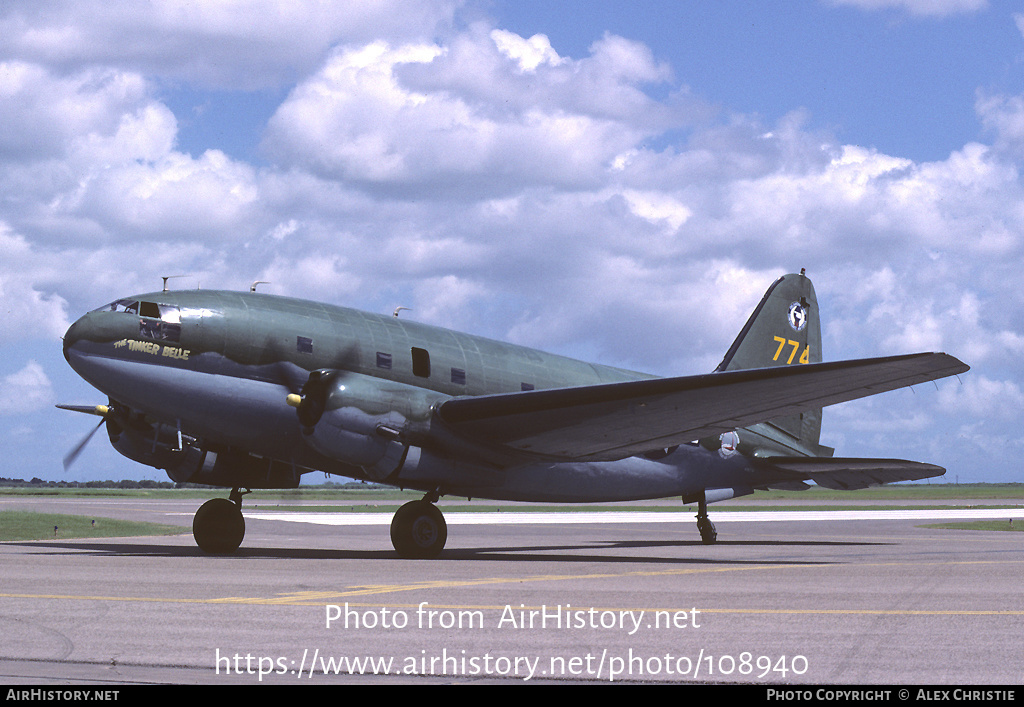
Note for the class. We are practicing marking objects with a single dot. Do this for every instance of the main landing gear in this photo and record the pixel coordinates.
(218, 525)
(418, 529)
(708, 534)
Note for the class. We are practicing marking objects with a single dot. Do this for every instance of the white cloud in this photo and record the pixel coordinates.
(406, 117)
(25, 391)
(1003, 116)
(978, 396)
(28, 306)
(91, 157)
(658, 208)
(210, 197)
(221, 44)
(42, 114)
(528, 53)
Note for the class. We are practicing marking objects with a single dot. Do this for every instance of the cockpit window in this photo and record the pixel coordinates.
(121, 305)
(149, 309)
(170, 313)
(161, 322)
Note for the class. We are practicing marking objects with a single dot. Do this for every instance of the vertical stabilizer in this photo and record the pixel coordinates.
(784, 330)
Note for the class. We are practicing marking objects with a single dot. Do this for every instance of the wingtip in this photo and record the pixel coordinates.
(956, 364)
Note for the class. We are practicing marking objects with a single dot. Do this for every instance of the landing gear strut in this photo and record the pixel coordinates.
(218, 525)
(708, 534)
(418, 529)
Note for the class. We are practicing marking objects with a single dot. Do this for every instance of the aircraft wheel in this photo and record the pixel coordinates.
(418, 530)
(218, 526)
(708, 534)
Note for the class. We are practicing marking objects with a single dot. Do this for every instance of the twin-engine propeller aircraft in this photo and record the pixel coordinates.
(247, 390)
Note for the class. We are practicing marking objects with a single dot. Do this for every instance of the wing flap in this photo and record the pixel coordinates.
(617, 420)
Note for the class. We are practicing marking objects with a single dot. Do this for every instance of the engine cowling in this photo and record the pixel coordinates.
(185, 460)
(354, 419)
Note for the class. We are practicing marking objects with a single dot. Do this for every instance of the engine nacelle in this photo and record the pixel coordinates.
(154, 445)
(352, 436)
(157, 445)
(358, 420)
(235, 469)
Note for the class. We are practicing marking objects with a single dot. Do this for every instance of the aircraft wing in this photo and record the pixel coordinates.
(617, 420)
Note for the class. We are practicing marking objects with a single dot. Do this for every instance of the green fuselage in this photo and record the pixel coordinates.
(205, 376)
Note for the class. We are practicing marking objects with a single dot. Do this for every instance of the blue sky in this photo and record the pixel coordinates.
(610, 181)
(902, 83)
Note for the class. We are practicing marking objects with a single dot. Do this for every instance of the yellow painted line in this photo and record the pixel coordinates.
(78, 597)
(312, 598)
(306, 598)
(290, 600)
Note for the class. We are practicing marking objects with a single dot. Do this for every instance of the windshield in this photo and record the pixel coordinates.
(161, 322)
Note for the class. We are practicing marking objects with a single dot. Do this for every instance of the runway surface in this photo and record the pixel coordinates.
(786, 597)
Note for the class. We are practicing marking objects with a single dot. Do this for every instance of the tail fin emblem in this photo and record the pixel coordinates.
(797, 316)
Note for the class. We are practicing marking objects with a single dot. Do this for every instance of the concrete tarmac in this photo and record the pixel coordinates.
(821, 601)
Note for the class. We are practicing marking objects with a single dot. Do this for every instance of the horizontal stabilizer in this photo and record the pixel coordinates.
(847, 474)
(617, 420)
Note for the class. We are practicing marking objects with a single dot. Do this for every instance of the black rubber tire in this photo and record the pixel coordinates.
(218, 526)
(418, 530)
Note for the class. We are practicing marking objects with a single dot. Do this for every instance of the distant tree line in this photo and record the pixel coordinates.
(36, 482)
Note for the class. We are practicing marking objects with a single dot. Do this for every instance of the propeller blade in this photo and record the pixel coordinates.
(100, 410)
(70, 458)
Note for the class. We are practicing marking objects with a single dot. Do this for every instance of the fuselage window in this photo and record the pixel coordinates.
(303, 344)
(420, 362)
(384, 360)
(458, 376)
(526, 386)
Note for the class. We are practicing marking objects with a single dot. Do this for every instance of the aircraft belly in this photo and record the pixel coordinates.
(228, 410)
(687, 470)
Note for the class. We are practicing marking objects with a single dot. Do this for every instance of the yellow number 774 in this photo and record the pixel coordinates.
(805, 357)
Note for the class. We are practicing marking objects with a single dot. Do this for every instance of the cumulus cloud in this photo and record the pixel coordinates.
(96, 187)
(224, 44)
(409, 118)
(528, 53)
(25, 391)
(981, 397)
(43, 114)
(29, 305)
(1004, 117)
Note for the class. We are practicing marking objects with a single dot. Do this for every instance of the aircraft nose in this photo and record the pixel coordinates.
(76, 333)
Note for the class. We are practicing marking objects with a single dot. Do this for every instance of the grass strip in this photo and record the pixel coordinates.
(28, 525)
(1003, 525)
